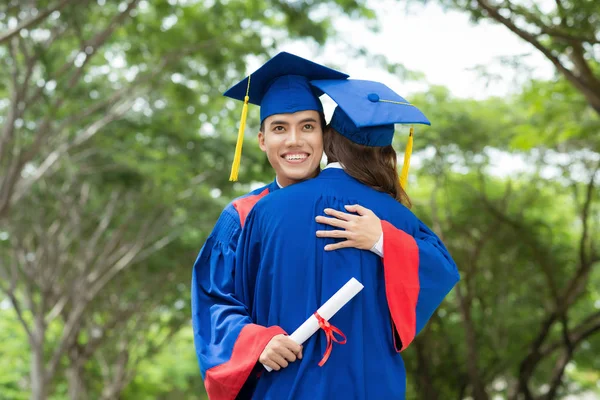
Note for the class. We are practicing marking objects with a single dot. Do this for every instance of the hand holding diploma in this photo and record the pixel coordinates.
(279, 352)
(322, 315)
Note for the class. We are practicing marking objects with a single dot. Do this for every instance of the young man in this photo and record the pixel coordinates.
(291, 135)
(283, 275)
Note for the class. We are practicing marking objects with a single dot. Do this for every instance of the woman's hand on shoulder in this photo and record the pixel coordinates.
(361, 231)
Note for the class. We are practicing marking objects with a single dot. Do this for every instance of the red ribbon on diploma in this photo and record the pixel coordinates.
(330, 332)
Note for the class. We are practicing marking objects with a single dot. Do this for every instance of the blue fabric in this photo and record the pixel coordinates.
(282, 276)
(367, 110)
(289, 94)
(276, 95)
(438, 274)
(217, 315)
(371, 103)
(372, 136)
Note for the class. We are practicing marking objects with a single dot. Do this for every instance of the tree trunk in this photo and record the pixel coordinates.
(115, 384)
(113, 391)
(77, 390)
(38, 374)
(426, 388)
(479, 392)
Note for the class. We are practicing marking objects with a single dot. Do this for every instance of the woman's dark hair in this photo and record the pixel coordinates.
(373, 166)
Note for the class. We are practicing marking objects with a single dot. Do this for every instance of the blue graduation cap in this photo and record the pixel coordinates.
(280, 86)
(367, 111)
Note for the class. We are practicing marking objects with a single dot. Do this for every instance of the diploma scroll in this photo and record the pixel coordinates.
(327, 310)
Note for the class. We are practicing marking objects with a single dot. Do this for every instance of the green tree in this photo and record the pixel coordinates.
(14, 362)
(526, 245)
(566, 32)
(113, 150)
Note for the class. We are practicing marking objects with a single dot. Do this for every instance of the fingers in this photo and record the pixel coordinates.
(360, 210)
(285, 349)
(291, 345)
(271, 364)
(334, 234)
(287, 354)
(340, 245)
(332, 222)
(339, 214)
(288, 345)
(279, 352)
(278, 359)
(271, 358)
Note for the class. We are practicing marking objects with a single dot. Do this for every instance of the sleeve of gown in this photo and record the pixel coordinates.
(419, 273)
(227, 343)
(248, 259)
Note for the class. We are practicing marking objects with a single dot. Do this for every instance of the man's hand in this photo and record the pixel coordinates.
(279, 352)
(361, 231)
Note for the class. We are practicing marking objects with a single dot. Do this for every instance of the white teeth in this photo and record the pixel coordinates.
(295, 157)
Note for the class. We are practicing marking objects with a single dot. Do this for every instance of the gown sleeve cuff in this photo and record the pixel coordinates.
(378, 246)
(225, 381)
(402, 286)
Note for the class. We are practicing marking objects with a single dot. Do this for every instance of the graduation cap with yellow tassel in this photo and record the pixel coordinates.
(280, 86)
(366, 114)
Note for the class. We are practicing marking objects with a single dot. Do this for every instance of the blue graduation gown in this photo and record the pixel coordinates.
(221, 324)
(282, 276)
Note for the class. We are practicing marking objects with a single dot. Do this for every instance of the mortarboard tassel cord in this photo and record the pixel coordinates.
(407, 151)
(235, 166)
(406, 165)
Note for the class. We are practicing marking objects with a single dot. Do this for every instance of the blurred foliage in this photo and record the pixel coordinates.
(511, 186)
(565, 32)
(134, 123)
(115, 146)
(14, 362)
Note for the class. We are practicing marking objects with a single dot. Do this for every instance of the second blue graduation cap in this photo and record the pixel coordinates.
(367, 111)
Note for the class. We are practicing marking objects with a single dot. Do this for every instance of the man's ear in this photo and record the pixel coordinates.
(261, 141)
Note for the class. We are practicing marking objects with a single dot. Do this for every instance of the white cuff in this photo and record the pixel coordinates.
(378, 247)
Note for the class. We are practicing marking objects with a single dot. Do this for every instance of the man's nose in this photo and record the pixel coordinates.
(294, 138)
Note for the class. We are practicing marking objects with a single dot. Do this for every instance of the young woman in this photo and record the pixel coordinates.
(283, 274)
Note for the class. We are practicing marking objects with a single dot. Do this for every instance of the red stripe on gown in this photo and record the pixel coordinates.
(401, 270)
(245, 204)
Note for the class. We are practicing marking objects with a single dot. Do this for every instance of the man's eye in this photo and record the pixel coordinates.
(278, 128)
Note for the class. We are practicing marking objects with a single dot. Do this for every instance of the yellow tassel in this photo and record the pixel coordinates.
(406, 165)
(237, 158)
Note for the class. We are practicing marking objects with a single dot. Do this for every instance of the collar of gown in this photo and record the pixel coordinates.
(334, 165)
